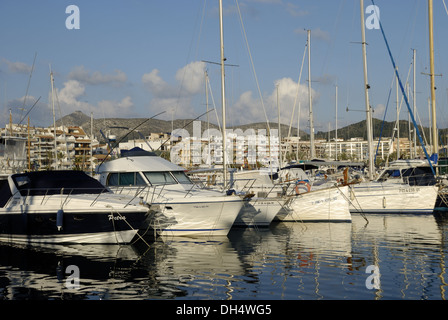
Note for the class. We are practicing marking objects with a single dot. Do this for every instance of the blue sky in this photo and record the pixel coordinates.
(137, 58)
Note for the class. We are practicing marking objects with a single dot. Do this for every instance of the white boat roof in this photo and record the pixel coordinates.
(409, 163)
(138, 163)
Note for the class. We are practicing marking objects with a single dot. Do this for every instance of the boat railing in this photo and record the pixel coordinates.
(197, 182)
(275, 189)
(46, 193)
(144, 192)
(249, 183)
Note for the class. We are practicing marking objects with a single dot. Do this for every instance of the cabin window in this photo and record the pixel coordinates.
(157, 178)
(420, 176)
(390, 174)
(181, 177)
(112, 180)
(22, 181)
(5, 193)
(139, 180)
(125, 179)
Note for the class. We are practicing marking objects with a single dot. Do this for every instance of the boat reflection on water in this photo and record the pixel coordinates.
(164, 269)
(288, 261)
(41, 272)
(408, 251)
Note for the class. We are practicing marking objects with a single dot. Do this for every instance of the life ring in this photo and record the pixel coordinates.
(302, 182)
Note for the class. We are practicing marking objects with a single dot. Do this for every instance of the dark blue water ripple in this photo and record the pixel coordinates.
(288, 261)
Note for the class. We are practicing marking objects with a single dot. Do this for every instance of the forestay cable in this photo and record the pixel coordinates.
(404, 94)
(252, 64)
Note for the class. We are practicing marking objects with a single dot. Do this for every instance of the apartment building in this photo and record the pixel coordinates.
(67, 147)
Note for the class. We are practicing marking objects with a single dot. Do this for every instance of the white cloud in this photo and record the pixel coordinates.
(191, 77)
(176, 99)
(17, 67)
(315, 34)
(69, 96)
(22, 106)
(156, 85)
(292, 8)
(114, 108)
(69, 99)
(295, 11)
(266, 1)
(379, 111)
(83, 75)
(246, 109)
(250, 109)
(190, 80)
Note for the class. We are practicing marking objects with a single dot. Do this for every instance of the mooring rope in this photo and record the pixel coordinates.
(125, 220)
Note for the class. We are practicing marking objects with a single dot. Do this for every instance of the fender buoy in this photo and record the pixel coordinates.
(59, 219)
(302, 182)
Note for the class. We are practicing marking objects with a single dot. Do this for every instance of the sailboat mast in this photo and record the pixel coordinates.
(336, 124)
(312, 148)
(398, 119)
(54, 122)
(366, 87)
(279, 131)
(223, 97)
(29, 144)
(432, 75)
(414, 101)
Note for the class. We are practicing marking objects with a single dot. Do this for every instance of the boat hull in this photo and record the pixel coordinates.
(190, 217)
(33, 226)
(258, 212)
(321, 205)
(376, 197)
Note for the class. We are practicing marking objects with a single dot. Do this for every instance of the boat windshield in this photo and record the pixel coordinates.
(418, 176)
(159, 178)
(57, 182)
(181, 177)
(390, 175)
(5, 192)
(125, 179)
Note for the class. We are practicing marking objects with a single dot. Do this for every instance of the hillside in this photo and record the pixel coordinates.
(121, 127)
(380, 128)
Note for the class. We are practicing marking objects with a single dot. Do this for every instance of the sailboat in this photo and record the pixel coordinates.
(404, 187)
(308, 202)
(258, 209)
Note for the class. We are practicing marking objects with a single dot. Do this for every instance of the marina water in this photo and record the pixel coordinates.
(375, 257)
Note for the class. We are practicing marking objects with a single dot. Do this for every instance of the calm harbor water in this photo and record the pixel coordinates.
(287, 261)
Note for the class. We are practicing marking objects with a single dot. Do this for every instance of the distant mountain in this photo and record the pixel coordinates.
(77, 118)
(379, 128)
(120, 127)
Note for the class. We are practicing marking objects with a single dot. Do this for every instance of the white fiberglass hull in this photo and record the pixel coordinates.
(259, 212)
(322, 205)
(91, 219)
(195, 217)
(378, 197)
(112, 237)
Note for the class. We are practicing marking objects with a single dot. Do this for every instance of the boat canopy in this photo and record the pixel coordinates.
(139, 163)
(56, 182)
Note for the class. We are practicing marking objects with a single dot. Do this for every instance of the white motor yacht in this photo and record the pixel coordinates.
(66, 207)
(180, 207)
